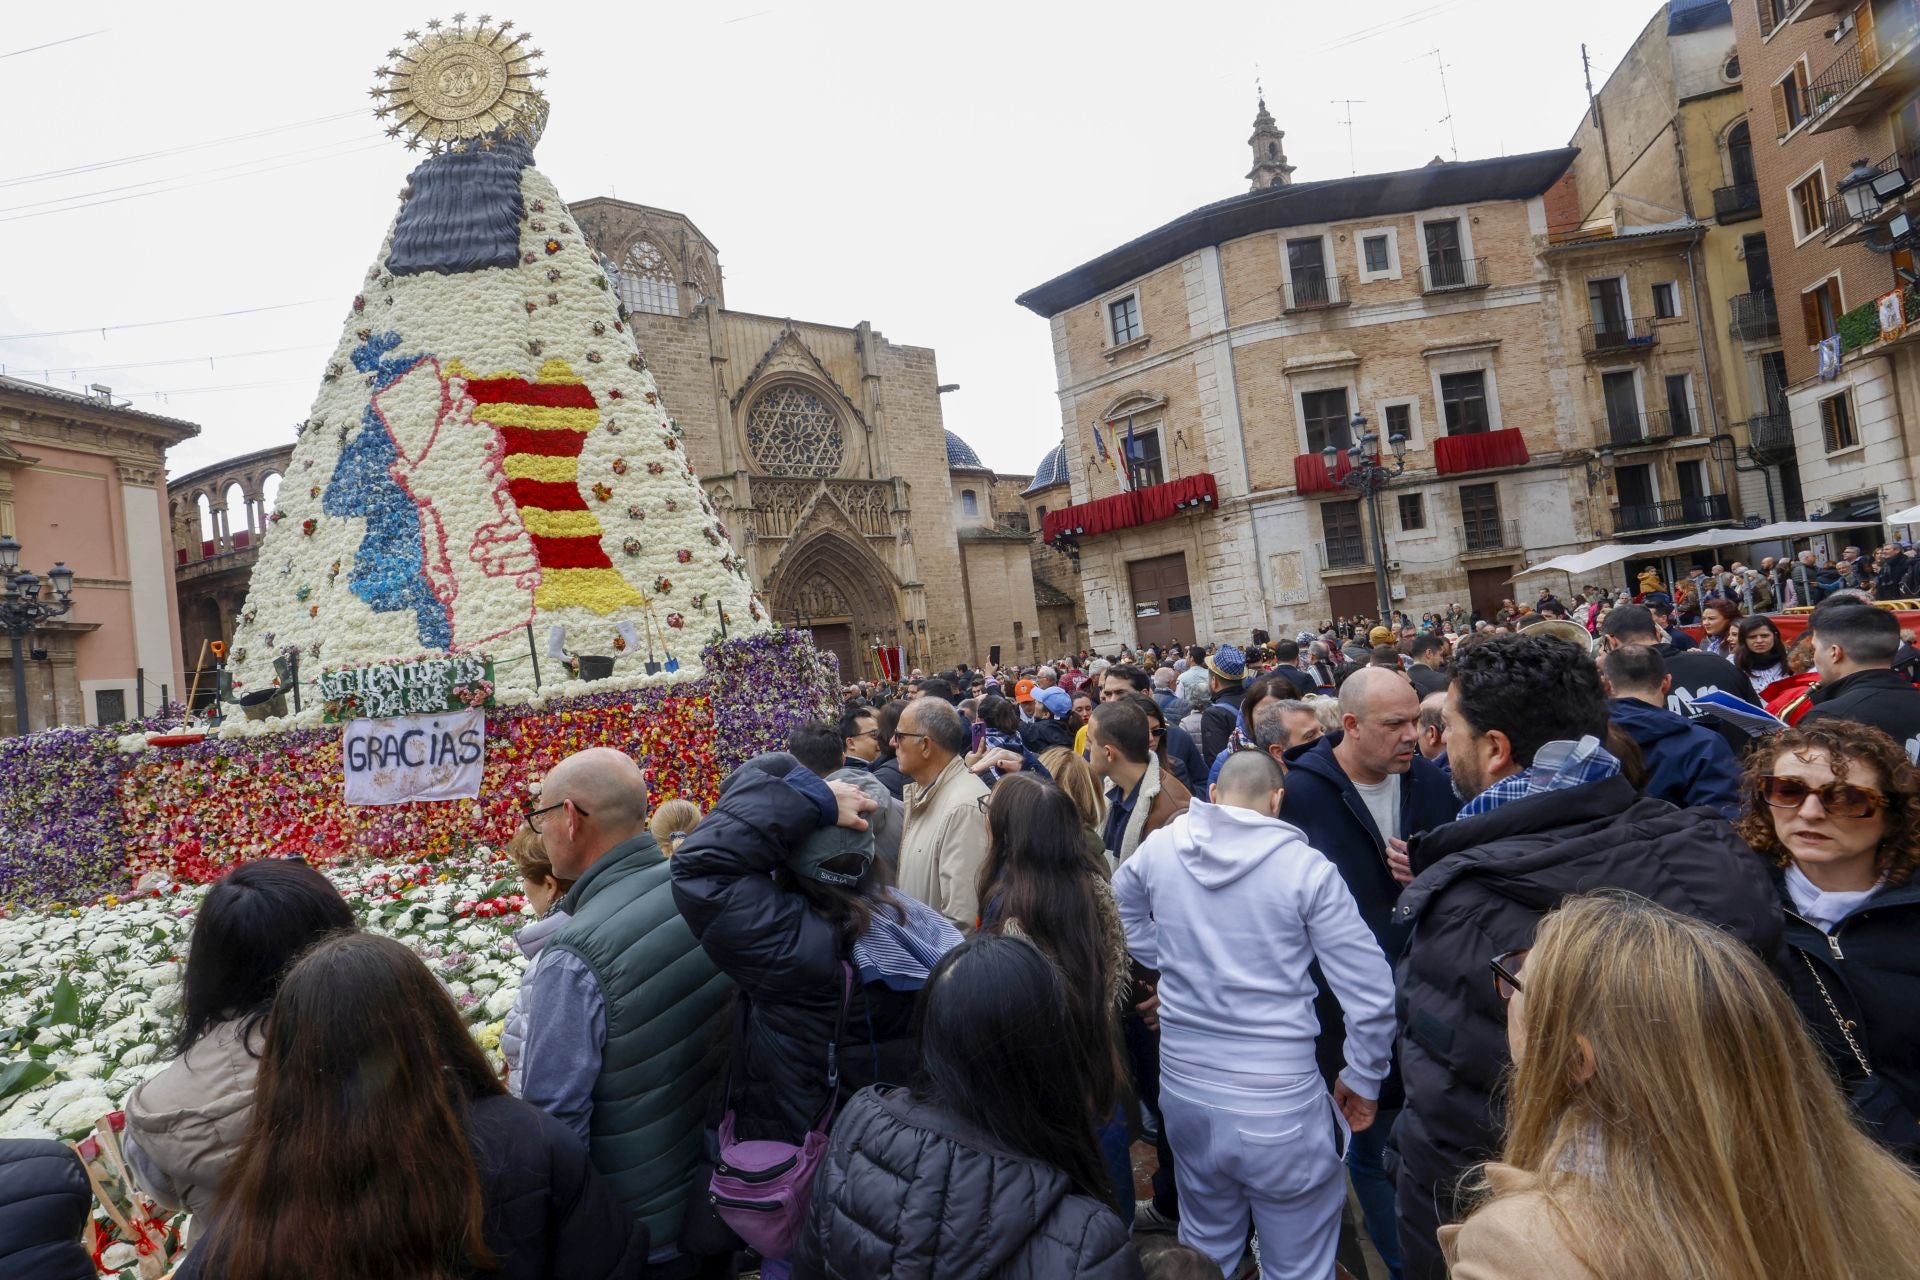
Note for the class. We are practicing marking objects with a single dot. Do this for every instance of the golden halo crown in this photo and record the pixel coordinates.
(459, 86)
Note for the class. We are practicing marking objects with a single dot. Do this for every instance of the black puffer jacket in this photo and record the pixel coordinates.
(909, 1192)
(547, 1211)
(785, 958)
(44, 1203)
(1483, 884)
(1881, 698)
(1871, 968)
(1220, 719)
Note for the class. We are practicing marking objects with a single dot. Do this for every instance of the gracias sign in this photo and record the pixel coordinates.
(401, 759)
(418, 686)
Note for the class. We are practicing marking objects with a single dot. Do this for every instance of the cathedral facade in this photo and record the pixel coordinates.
(859, 516)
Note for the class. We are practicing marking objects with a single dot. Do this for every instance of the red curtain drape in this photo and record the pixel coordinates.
(1310, 473)
(1125, 510)
(1481, 451)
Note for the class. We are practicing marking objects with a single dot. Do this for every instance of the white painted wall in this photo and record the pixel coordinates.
(152, 584)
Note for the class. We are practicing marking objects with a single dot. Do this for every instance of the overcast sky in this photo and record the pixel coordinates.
(912, 165)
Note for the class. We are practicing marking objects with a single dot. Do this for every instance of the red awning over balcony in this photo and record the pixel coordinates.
(1310, 473)
(1126, 510)
(1480, 451)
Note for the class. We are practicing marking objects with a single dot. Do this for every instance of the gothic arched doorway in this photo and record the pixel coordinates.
(835, 588)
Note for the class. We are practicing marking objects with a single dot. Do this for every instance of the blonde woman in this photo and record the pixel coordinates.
(671, 822)
(1669, 1119)
(1075, 777)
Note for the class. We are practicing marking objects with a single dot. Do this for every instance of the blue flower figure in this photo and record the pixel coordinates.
(389, 571)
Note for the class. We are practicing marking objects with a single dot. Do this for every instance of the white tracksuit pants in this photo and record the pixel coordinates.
(1267, 1148)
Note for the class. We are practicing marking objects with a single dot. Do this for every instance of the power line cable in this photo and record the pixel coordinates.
(104, 329)
(97, 165)
(91, 204)
(192, 173)
(35, 48)
(74, 370)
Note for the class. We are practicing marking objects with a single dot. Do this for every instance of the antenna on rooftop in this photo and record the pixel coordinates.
(1353, 162)
(1447, 100)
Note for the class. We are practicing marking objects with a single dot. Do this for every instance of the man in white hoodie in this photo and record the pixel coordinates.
(1232, 906)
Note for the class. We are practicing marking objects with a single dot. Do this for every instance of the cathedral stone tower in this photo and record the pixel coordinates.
(1270, 167)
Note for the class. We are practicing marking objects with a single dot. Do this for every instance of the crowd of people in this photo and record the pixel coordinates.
(1488, 921)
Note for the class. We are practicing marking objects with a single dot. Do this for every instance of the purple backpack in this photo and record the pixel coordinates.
(761, 1189)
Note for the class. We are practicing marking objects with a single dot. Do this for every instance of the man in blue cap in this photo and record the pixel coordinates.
(1226, 679)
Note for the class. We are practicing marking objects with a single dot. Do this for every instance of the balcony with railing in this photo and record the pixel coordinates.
(1753, 316)
(1808, 9)
(1737, 203)
(1654, 426)
(1314, 291)
(1472, 451)
(1450, 275)
(1622, 337)
(1871, 73)
(1339, 554)
(1770, 439)
(1638, 517)
(1480, 536)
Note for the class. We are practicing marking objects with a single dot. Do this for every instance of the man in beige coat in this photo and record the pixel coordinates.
(944, 844)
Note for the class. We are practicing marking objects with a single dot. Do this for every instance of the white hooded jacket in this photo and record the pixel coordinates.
(1232, 907)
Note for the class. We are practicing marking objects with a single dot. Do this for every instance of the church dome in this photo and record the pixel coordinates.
(961, 454)
(1051, 471)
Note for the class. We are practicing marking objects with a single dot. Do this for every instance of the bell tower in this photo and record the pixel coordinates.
(1270, 167)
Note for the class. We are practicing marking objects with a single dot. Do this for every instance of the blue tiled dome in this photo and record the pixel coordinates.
(961, 454)
(1051, 471)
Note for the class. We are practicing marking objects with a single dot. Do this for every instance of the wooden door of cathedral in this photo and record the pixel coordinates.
(1162, 604)
(837, 638)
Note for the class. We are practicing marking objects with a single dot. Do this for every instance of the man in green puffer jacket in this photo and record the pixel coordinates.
(625, 1033)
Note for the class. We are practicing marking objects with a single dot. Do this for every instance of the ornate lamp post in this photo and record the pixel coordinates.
(1367, 477)
(22, 610)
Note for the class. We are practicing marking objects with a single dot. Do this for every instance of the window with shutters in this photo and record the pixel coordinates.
(1772, 14)
(1463, 400)
(1345, 544)
(1821, 309)
(1790, 99)
(1836, 423)
(1808, 199)
(1327, 419)
(1680, 403)
(1480, 516)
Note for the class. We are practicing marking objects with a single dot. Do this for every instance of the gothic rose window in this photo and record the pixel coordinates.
(792, 432)
(646, 281)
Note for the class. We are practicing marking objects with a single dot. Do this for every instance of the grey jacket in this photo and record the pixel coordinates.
(184, 1124)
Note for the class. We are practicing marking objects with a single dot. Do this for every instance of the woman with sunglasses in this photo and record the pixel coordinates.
(1836, 808)
(1669, 1119)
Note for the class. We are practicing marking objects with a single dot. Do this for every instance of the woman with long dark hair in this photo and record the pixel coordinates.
(383, 1147)
(988, 1165)
(1045, 882)
(184, 1124)
(787, 897)
(1759, 651)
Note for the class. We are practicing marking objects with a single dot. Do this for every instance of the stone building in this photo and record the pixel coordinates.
(80, 482)
(1832, 91)
(1237, 341)
(859, 515)
(213, 561)
(1665, 278)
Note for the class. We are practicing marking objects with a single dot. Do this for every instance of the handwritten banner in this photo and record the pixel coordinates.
(420, 687)
(407, 758)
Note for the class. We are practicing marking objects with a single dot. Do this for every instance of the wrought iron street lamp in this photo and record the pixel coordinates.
(1367, 476)
(22, 610)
